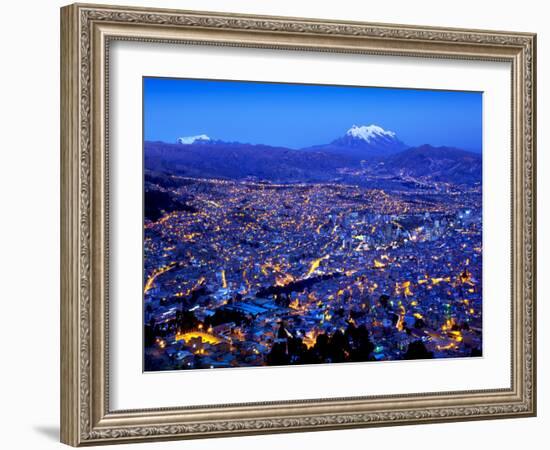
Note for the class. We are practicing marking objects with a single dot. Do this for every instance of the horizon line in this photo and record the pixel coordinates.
(221, 141)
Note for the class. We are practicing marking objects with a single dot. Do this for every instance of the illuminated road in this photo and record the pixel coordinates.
(156, 273)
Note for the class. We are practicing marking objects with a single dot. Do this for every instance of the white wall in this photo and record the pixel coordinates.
(29, 224)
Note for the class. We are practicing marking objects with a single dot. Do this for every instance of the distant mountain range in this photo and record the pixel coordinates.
(241, 161)
(437, 163)
(369, 148)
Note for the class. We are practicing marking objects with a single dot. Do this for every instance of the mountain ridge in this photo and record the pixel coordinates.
(362, 148)
(439, 163)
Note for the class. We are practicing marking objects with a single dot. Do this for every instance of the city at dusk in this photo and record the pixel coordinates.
(289, 224)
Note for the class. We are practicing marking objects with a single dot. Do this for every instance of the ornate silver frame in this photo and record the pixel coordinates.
(86, 31)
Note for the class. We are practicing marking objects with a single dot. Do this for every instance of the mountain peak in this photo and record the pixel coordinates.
(369, 132)
(364, 142)
(192, 139)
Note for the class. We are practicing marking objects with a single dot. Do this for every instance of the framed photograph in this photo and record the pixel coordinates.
(274, 224)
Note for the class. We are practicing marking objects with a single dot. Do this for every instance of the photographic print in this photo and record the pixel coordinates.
(290, 224)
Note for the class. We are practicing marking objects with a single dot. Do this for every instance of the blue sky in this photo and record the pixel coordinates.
(297, 115)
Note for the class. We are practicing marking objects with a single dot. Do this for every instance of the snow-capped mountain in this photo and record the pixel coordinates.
(364, 141)
(370, 133)
(193, 139)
